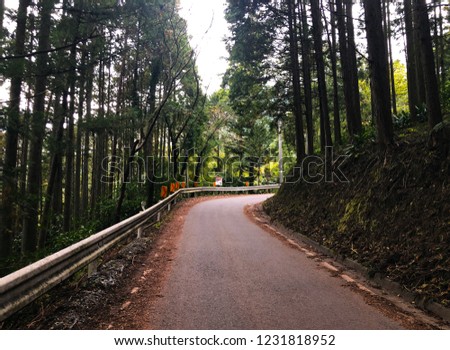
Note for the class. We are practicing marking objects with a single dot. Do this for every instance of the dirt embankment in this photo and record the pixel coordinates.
(393, 216)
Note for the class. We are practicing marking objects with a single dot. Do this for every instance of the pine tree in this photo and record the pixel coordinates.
(378, 62)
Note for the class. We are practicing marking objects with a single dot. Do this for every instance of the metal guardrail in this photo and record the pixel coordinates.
(24, 286)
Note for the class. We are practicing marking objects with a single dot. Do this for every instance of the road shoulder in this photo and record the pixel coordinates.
(392, 306)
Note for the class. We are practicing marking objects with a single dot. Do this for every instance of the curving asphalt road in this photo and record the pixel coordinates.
(231, 274)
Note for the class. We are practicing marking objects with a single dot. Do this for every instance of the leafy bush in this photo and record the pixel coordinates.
(358, 146)
(402, 120)
(66, 239)
(421, 113)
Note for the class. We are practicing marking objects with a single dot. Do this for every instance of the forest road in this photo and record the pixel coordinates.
(228, 273)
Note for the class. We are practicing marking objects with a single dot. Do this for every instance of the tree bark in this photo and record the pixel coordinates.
(306, 68)
(78, 142)
(411, 64)
(333, 58)
(391, 59)
(69, 193)
(68, 189)
(442, 47)
(419, 71)
(2, 13)
(31, 215)
(320, 64)
(9, 191)
(379, 72)
(55, 167)
(86, 144)
(428, 64)
(352, 115)
(156, 72)
(436, 42)
(295, 75)
(353, 69)
(57, 198)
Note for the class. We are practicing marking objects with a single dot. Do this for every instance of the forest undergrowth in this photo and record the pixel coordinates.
(393, 216)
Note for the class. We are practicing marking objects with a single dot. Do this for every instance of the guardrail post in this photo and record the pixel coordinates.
(139, 232)
(92, 267)
(168, 207)
(158, 217)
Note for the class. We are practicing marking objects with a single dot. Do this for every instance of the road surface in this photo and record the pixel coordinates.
(230, 274)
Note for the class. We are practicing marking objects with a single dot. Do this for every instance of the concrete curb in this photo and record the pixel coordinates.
(378, 279)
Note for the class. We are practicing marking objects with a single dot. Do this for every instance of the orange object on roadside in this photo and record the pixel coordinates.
(195, 184)
(172, 188)
(247, 184)
(177, 186)
(214, 184)
(163, 191)
(183, 185)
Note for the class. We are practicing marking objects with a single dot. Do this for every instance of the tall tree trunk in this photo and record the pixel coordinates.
(436, 42)
(57, 197)
(295, 74)
(109, 187)
(353, 68)
(24, 158)
(163, 151)
(102, 134)
(86, 143)
(31, 215)
(306, 68)
(2, 13)
(428, 64)
(411, 64)
(333, 58)
(175, 158)
(388, 31)
(68, 189)
(96, 169)
(58, 208)
(9, 191)
(72, 80)
(352, 115)
(320, 64)
(99, 135)
(419, 71)
(442, 47)
(150, 183)
(78, 158)
(379, 72)
(55, 167)
(112, 173)
(156, 72)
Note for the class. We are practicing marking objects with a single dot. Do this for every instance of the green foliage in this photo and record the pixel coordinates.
(252, 32)
(421, 113)
(446, 97)
(402, 120)
(366, 99)
(99, 219)
(401, 86)
(65, 239)
(360, 142)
